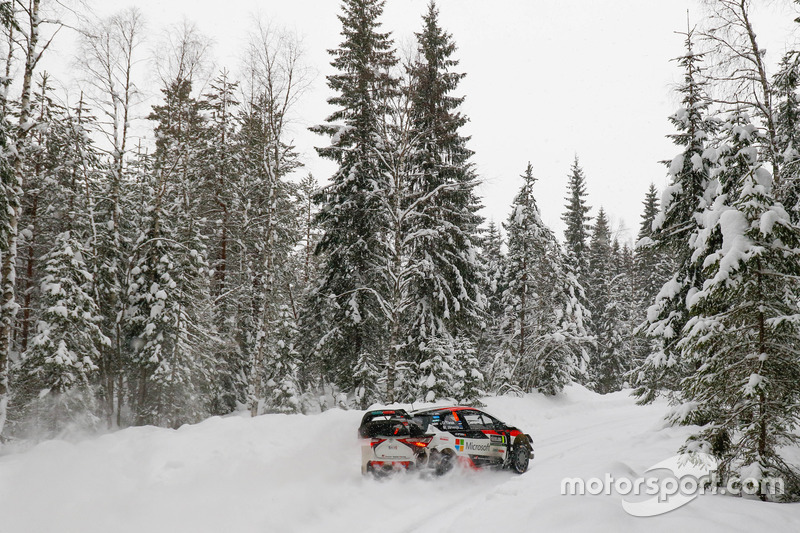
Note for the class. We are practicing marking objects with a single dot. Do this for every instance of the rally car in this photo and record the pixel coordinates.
(437, 438)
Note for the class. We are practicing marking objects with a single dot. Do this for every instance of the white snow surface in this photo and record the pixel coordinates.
(296, 473)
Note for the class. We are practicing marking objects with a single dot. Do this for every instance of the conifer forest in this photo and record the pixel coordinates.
(200, 270)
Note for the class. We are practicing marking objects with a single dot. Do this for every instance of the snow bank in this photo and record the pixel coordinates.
(301, 474)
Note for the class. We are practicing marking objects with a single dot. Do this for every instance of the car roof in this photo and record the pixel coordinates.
(440, 409)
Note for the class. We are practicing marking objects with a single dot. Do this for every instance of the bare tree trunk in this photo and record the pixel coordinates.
(29, 269)
(397, 265)
(309, 248)
(8, 304)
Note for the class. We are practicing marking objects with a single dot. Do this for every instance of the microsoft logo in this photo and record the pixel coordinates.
(460, 445)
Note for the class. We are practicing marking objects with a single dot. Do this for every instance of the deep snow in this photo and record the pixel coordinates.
(278, 473)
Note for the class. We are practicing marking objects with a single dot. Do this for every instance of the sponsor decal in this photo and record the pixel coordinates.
(460, 445)
(471, 446)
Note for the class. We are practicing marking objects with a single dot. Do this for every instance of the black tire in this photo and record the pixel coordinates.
(520, 457)
(443, 463)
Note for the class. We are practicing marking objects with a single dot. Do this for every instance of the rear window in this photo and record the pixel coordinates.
(389, 424)
(385, 428)
(423, 421)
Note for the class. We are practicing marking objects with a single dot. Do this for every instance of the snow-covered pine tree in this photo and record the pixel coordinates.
(577, 220)
(269, 235)
(736, 156)
(60, 167)
(268, 203)
(169, 288)
(624, 290)
(81, 176)
(55, 375)
(739, 70)
(544, 345)
(469, 386)
(787, 126)
(308, 262)
(282, 390)
(218, 206)
(365, 377)
(651, 269)
(439, 370)
(608, 357)
(304, 271)
(492, 260)
(40, 164)
(742, 336)
(681, 206)
(350, 211)
(652, 266)
(444, 290)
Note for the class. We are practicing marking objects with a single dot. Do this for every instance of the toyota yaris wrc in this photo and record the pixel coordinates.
(438, 438)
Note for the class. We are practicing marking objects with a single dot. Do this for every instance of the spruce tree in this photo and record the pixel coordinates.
(492, 260)
(605, 286)
(576, 218)
(439, 370)
(653, 267)
(787, 126)
(682, 204)
(444, 289)
(220, 206)
(469, 386)
(57, 370)
(544, 346)
(268, 238)
(169, 289)
(350, 213)
(625, 294)
(743, 331)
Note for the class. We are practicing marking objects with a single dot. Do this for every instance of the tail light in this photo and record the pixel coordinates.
(416, 443)
(375, 442)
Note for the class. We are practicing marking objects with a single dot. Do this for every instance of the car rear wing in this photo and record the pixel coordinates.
(388, 423)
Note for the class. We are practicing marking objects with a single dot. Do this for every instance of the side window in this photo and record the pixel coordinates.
(475, 421)
(451, 421)
(491, 422)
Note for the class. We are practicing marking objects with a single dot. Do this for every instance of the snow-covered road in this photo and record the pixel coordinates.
(297, 473)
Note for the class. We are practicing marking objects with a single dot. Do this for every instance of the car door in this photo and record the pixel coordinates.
(494, 443)
(475, 441)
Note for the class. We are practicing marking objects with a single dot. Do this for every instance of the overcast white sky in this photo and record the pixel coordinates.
(545, 80)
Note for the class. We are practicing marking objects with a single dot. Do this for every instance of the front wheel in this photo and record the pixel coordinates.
(520, 458)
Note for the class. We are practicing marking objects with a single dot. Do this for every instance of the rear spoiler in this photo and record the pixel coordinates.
(392, 413)
(387, 422)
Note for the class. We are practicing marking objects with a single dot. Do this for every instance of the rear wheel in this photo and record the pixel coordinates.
(443, 463)
(520, 458)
